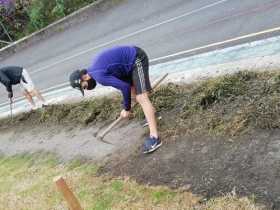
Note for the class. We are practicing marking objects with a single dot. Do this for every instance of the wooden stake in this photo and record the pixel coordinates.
(69, 196)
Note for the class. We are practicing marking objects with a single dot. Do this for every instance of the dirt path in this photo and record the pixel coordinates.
(69, 142)
(206, 166)
(212, 167)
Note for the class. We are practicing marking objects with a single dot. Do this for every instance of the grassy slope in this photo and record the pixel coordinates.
(230, 105)
(26, 183)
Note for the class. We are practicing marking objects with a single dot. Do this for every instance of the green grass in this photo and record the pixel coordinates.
(26, 183)
(162, 195)
(31, 16)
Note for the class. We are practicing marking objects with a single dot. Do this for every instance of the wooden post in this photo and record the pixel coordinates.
(70, 198)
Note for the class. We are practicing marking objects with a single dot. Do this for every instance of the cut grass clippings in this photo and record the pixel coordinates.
(26, 183)
(229, 105)
(82, 113)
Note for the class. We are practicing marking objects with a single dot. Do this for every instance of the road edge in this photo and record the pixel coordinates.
(56, 27)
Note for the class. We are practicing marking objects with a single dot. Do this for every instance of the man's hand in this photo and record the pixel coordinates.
(10, 95)
(125, 114)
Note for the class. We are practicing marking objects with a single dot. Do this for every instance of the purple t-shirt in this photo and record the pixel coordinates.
(113, 67)
(5, 2)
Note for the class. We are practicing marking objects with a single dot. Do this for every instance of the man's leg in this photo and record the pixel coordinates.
(141, 82)
(36, 93)
(29, 87)
(149, 111)
(28, 96)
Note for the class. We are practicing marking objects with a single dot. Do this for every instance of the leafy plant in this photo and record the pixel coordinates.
(30, 16)
(58, 10)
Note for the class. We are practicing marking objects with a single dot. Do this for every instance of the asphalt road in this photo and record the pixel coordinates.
(160, 27)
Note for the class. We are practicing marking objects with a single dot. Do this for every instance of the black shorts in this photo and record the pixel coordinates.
(140, 72)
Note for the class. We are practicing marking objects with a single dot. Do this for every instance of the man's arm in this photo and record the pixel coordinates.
(6, 81)
(124, 87)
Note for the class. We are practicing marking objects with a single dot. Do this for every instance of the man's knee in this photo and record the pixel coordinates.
(143, 97)
(25, 93)
(31, 93)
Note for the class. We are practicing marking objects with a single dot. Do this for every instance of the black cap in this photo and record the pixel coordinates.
(75, 81)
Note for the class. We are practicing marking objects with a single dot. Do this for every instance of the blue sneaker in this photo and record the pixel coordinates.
(145, 123)
(151, 144)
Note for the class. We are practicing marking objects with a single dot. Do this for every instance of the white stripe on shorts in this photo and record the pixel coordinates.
(141, 74)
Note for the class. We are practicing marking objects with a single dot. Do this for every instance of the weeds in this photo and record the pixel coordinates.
(230, 105)
(30, 16)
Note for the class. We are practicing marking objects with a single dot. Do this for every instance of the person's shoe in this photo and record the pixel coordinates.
(145, 122)
(42, 105)
(45, 105)
(151, 144)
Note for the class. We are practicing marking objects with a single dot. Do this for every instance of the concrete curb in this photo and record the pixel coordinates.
(58, 26)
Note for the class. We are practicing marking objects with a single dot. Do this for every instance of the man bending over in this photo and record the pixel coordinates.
(125, 68)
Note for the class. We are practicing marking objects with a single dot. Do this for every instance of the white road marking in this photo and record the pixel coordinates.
(62, 85)
(130, 35)
(219, 43)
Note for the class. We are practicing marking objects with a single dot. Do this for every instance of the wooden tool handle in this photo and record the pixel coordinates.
(113, 124)
(159, 81)
(101, 136)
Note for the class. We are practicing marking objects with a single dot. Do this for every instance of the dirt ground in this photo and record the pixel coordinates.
(70, 142)
(206, 166)
(219, 137)
(211, 166)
